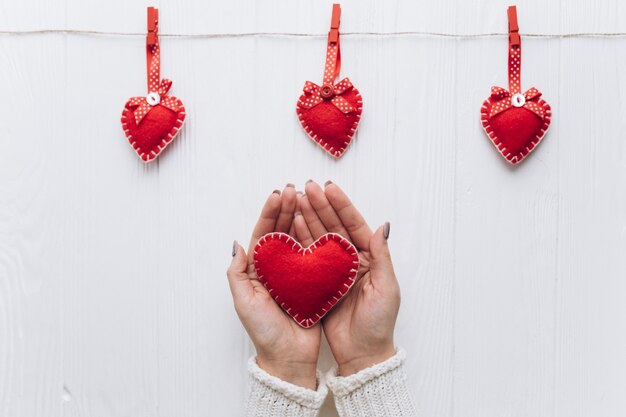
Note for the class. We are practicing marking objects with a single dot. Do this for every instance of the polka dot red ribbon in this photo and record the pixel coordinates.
(143, 106)
(514, 122)
(314, 94)
(515, 52)
(157, 87)
(333, 50)
(505, 99)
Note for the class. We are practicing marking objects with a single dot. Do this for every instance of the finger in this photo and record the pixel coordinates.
(303, 234)
(297, 212)
(353, 221)
(313, 222)
(267, 220)
(324, 210)
(288, 207)
(238, 280)
(381, 265)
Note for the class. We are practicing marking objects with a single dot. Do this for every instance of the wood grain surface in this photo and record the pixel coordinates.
(113, 295)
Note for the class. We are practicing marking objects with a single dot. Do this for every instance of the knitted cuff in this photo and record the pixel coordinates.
(272, 397)
(380, 390)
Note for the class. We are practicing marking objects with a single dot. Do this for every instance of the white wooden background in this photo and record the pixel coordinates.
(113, 297)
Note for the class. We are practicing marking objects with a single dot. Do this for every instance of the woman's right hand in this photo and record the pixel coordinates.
(284, 349)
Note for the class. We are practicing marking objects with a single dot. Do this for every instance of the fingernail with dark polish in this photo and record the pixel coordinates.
(327, 183)
(308, 182)
(235, 245)
(386, 230)
(291, 185)
(299, 193)
(276, 192)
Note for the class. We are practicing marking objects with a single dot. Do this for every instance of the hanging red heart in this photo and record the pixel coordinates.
(515, 122)
(330, 113)
(152, 122)
(306, 282)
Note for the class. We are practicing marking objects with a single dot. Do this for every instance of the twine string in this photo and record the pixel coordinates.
(315, 35)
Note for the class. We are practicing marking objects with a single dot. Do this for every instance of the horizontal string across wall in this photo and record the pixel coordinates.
(316, 35)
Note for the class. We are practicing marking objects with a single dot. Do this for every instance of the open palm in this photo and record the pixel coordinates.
(360, 328)
(284, 349)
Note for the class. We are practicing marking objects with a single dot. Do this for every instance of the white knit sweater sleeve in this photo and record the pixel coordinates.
(379, 391)
(272, 397)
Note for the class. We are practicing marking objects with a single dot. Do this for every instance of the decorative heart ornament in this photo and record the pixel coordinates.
(330, 113)
(152, 122)
(306, 282)
(515, 122)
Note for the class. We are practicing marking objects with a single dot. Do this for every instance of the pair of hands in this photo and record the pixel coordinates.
(359, 329)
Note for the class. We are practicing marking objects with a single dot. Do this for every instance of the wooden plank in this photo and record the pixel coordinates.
(32, 276)
(506, 230)
(113, 299)
(590, 329)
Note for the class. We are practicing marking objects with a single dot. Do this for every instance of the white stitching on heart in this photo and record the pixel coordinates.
(164, 141)
(319, 141)
(514, 159)
(288, 239)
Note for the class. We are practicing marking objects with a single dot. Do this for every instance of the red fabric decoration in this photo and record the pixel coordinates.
(306, 282)
(515, 122)
(151, 122)
(330, 114)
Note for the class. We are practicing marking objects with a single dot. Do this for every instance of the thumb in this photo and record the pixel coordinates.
(238, 279)
(381, 265)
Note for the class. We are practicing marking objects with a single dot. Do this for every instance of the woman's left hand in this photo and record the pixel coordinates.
(360, 328)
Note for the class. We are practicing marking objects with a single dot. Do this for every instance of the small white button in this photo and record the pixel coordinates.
(153, 99)
(518, 100)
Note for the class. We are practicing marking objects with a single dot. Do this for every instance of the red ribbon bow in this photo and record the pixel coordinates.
(314, 95)
(141, 106)
(502, 100)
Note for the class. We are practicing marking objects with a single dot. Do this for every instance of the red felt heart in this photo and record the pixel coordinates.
(157, 128)
(517, 131)
(329, 126)
(306, 282)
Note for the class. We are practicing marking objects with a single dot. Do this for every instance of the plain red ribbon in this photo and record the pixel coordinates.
(315, 94)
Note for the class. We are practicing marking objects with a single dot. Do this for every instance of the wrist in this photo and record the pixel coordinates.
(358, 363)
(302, 374)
